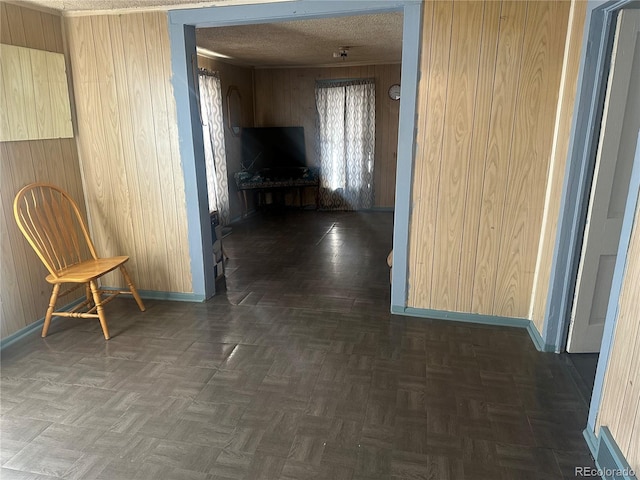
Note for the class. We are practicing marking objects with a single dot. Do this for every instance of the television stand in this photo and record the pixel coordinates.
(260, 184)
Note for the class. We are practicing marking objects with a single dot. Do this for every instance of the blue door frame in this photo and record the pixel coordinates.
(592, 79)
(182, 25)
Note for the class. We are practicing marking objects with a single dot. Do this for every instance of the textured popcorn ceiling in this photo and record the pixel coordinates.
(372, 39)
(66, 6)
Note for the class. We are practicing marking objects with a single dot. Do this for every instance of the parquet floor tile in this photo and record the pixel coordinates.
(295, 370)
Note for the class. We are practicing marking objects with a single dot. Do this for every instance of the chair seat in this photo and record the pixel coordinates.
(88, 270)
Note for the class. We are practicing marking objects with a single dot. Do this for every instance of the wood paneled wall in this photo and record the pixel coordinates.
(243, 79)
(34, 94)
(128, 145)
(25, 293)
(620, 405)
(286, 97)
(558, 164)
(490, 76)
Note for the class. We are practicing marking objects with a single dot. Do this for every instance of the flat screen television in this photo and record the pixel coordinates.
(278, 152)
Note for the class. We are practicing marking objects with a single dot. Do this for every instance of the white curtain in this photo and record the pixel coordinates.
(214, 149)
(346, 129)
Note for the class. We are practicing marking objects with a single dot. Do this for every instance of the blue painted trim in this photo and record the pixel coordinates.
(192, 155)
(412, 32)
(616, 287)
(281, 11)
(461, 316)
(587, 115)
(607, 455)
(476, 318)
(592, 79)
(174, 296)
(610, 460)
(23, 332)
(181, 28)
(537, 339)
(161, 295)
(592, 441)
(37, 325)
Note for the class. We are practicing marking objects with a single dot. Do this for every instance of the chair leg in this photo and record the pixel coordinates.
(132, 288)
(98, 302)
(52, 305)
(88, 294)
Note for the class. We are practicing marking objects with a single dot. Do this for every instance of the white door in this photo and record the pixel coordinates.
(618, 135)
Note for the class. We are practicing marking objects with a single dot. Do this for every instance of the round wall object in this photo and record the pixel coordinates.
(394, 91)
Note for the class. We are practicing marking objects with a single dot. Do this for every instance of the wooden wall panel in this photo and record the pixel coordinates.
(5, 28)
(166, 143)
(429, 151)
(501, 132)
(15, 26)
(456, 146)
(557, 167)
(40, 86)
(286, 97)
(620, 405)
(24, 291)
(147, 174)
(120, 129)
(490, 73)
(88, 93)
(127, 141)
(16, 105)
(35, 94)
(33, 28)
(61, 126)
(386, 139)
(530, 156)
(477, 160)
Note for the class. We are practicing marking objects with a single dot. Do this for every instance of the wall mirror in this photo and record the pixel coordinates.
(234, 110)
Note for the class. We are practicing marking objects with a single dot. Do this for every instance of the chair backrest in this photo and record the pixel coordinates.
(51, 221)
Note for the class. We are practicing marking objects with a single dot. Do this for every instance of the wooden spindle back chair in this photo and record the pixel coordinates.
(53, 225)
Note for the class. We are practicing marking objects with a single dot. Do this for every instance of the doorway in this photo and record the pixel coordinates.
(607, 201)
(600, 32)
(274, 137)
(610, 186)
(182, 25)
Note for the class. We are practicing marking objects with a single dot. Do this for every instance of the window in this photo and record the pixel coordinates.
(346, 130)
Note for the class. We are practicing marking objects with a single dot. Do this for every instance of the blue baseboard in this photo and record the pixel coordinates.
(610, 461)
(37, 325)
(477, 318)
(23, 332)
(145, 294)
(161, 295)
(173, 296)
(537, 339)
(592, 441)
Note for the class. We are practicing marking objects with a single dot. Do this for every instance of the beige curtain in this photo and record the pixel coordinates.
(214, 147)
(346, 129)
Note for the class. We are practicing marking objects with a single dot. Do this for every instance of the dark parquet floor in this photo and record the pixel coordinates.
(295, 370)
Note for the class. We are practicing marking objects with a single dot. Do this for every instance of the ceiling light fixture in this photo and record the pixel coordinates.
(205, 52)
(341, 53)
